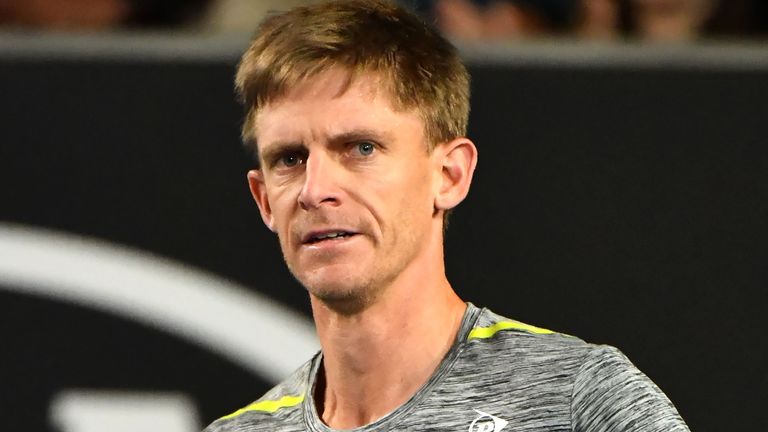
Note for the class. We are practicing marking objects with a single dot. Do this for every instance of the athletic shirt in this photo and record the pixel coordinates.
(499, 375)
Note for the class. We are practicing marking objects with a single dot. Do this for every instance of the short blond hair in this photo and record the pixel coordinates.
(421, 70)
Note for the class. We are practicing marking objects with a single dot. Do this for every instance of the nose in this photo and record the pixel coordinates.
(321, 185)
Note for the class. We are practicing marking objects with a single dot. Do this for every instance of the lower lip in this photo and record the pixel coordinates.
(331, 243)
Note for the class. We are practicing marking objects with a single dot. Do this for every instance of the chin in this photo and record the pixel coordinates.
(344, 303)
(345, 295)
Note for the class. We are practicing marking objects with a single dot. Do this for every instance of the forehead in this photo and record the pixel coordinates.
(331, 103)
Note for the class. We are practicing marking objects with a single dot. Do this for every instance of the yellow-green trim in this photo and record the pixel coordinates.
(268, 406)
(486, 332)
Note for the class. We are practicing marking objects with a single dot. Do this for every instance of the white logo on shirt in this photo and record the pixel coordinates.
(487, 423)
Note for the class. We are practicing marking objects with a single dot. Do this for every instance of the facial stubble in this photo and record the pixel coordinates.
(353, 294)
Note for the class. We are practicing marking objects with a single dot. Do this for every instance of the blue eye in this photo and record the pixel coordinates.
(365, 148)
(290, 160)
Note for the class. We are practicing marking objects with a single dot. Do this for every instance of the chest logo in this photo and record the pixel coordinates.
(487, 423)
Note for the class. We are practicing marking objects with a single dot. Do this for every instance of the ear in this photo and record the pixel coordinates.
(457, 160)
(259, 192)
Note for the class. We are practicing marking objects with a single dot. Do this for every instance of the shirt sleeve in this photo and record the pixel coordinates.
(611, 394)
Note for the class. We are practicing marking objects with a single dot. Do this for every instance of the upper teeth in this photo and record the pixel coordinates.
(330, 235)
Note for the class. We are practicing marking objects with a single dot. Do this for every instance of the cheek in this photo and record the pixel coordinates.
(413, 198)
(420, 188)
(282, 206)
(282, 197)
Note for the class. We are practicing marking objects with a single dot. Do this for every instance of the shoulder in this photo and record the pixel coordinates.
(501, 356)
(504, 338)
(277, 409)
(600, 388)
(611, 394)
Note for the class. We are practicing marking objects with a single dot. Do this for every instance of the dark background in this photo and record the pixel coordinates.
(622, 202)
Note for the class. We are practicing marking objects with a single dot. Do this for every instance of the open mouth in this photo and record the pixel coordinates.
(329, 236)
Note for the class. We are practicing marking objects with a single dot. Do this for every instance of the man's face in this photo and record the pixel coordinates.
(348, 185)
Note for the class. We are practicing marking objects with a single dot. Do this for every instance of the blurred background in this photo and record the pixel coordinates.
(621, 196)
(481, 20)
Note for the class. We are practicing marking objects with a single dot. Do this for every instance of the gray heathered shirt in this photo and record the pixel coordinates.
(499, 375)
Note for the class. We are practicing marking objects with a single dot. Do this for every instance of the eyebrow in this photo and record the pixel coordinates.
(279, 148)
(361, 135)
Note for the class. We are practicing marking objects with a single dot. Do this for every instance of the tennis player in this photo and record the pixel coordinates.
(357, 112)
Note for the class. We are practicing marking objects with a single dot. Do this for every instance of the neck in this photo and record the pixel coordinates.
(378, 358)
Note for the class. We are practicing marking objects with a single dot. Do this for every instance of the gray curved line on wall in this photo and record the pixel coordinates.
(245, 327)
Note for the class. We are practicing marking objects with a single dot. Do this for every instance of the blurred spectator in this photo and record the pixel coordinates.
(498, 19)
(650, 20)
(62, 14)
(681, 20)
(97, 14)
(598, 19)
(670, 20)
(242, 16)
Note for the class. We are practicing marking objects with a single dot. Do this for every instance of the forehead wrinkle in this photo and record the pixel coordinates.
(370, 86)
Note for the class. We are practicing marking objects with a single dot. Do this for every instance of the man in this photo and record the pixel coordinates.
(358, 113)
